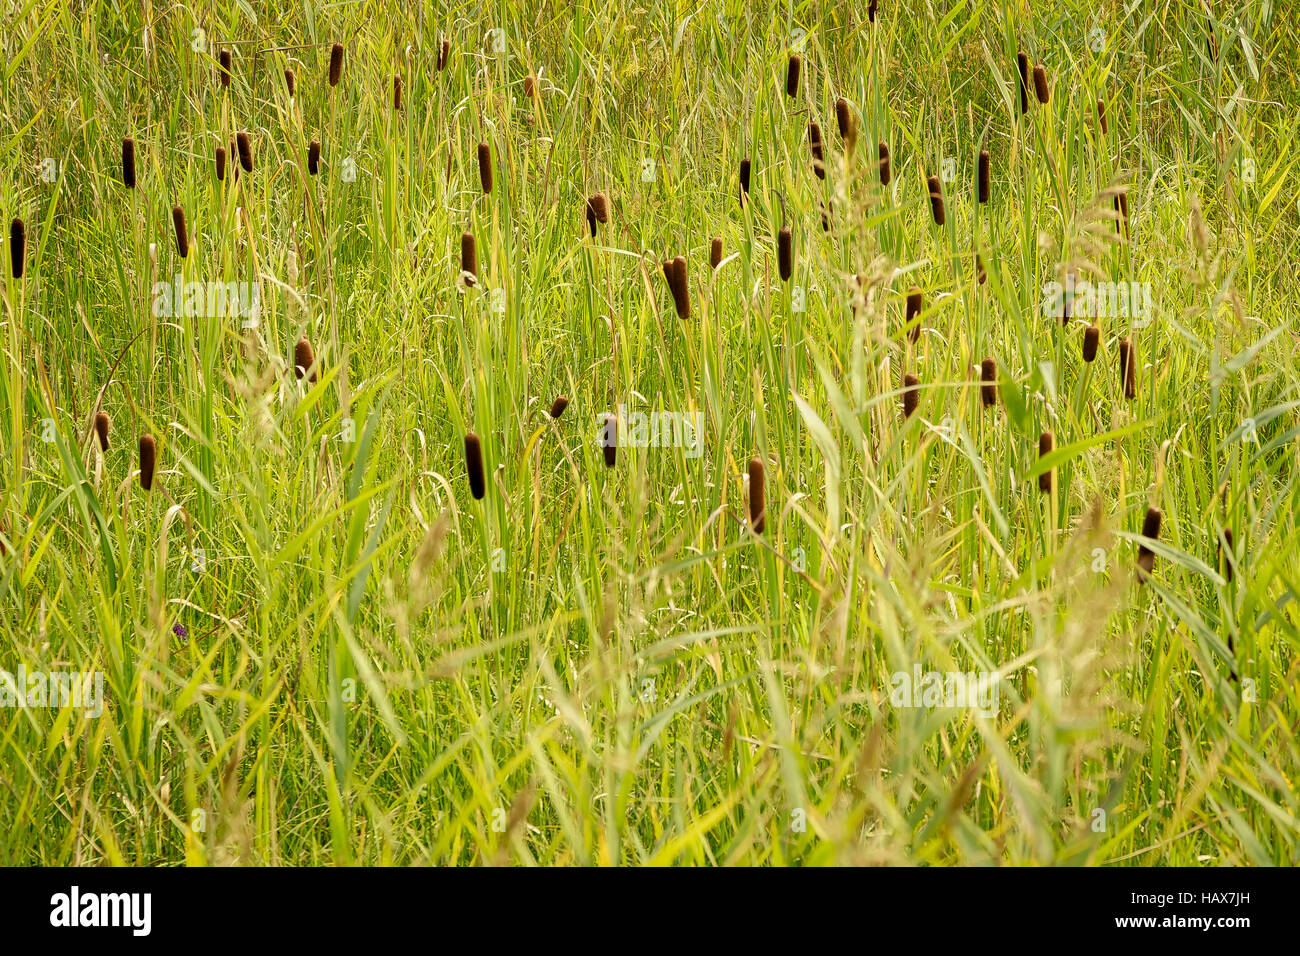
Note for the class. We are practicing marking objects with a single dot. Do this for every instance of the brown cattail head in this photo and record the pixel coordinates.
(785, 253)
(871, 10)
(469, 256)
(1091, 339)
(911, 394)
(245, 145)
(290, 82)
(102, 425)
(148, 460)
(474, 466)
(485, 166)
(443, 52)
(915, 302)
(815, 145)
(679, 285)
(1128, 368)
(17, 247)
(980, 275)
(1041, 89)
(828, 214)
(304, 360)
(1150, 529)
(313, 157)
(744, 180)
(597, 209)
(847, 123)
(223, 58)
(530, 86)
(715, 252)
(609, 440)
(182, 234)
(336, 64)
(984, 176)
(221, 164)
(397, 92)
(559, 405)
(936, 199)
(1121, 207)
(792, 75)
(1101, 116)
(128, 162)
(989, 382)
(1228, 554)
(757, 495)
(1045, 443)
(884, 165)
(1022, 65)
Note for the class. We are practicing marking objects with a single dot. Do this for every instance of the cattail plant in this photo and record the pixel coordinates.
(715, 252)
(559, 405)
(245, 145)
(1227, 554)
(984, 176)
(397, 92)
(678, 285)
(911, 394)
(474, 466)
(1022, 66)
(871, 10)
(1121, 208)
(915, 302)
(469, 257)
(530, 86)
(1041, 89)
(102, 425)
(148, 459)
(828, 214)
(785, 252)
(304, 360)
(597, 211)
(847, 123)
(884, 165)
(182, 234)
(815, 145)
(744, 181)
(336, 64)
(290, 81)
(1045, 443)
(443, 52)
(128, 162)
(792, 75)
(1091, 339)
(221, 164)
(989, 382)
(936, 199)
(313, 157)
(223, 58)
(1101, 117)
(1151, 530)
(609, 440)
(485, 166)
(757, 495)
(17, 247)
(1128, 368)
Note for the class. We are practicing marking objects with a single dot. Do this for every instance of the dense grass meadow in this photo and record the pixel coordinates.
(679, 638)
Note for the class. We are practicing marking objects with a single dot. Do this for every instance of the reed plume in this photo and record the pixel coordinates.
(785, 252)
(1045, 443)
(559, 405)
(148, 459)
(469, 257)
(1041, 89)
(989, 382)
(715, 252)
(485, 166)
(984, 176)
(911, 394)
(17, 247)
(128, 162)
(474, 466)
(1022, 65)
(792, 75)
(304, 360)
(182, 234)
(1146, 561)
(336, 64)
(936, 200)
(313, 157)
(1091, 339)
(1128, 368)
(245, 145)
(757, 495)
(102, 425)
(815, 145)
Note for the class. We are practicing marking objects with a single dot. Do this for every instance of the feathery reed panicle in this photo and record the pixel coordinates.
(1128, 368)
(915, 302)
(715, 252)
(102, 424)
(1091, 339)
(313, 157)
(397, 91)
(1022, 67)
(609, 440)
(469, 256)
(785, 252)
(936, 199)
(815, 145)
(223, 70)
(148, 460)
(182, 234)
(757, 495)
(1146, 561)
(744, 181)
(245, 145)
(1041, 89)
(290, 81)
(304, 360)
(485, 166)
(847, 123)
(221, 164)
(128, 162)
(911, 394)
(792, 70)
(17, 247)
(336, 64)
(559, 405)
(443, 52)
(989, 382)
(885, 173)
(474, 466)
(984, 176)
(1045, 443)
